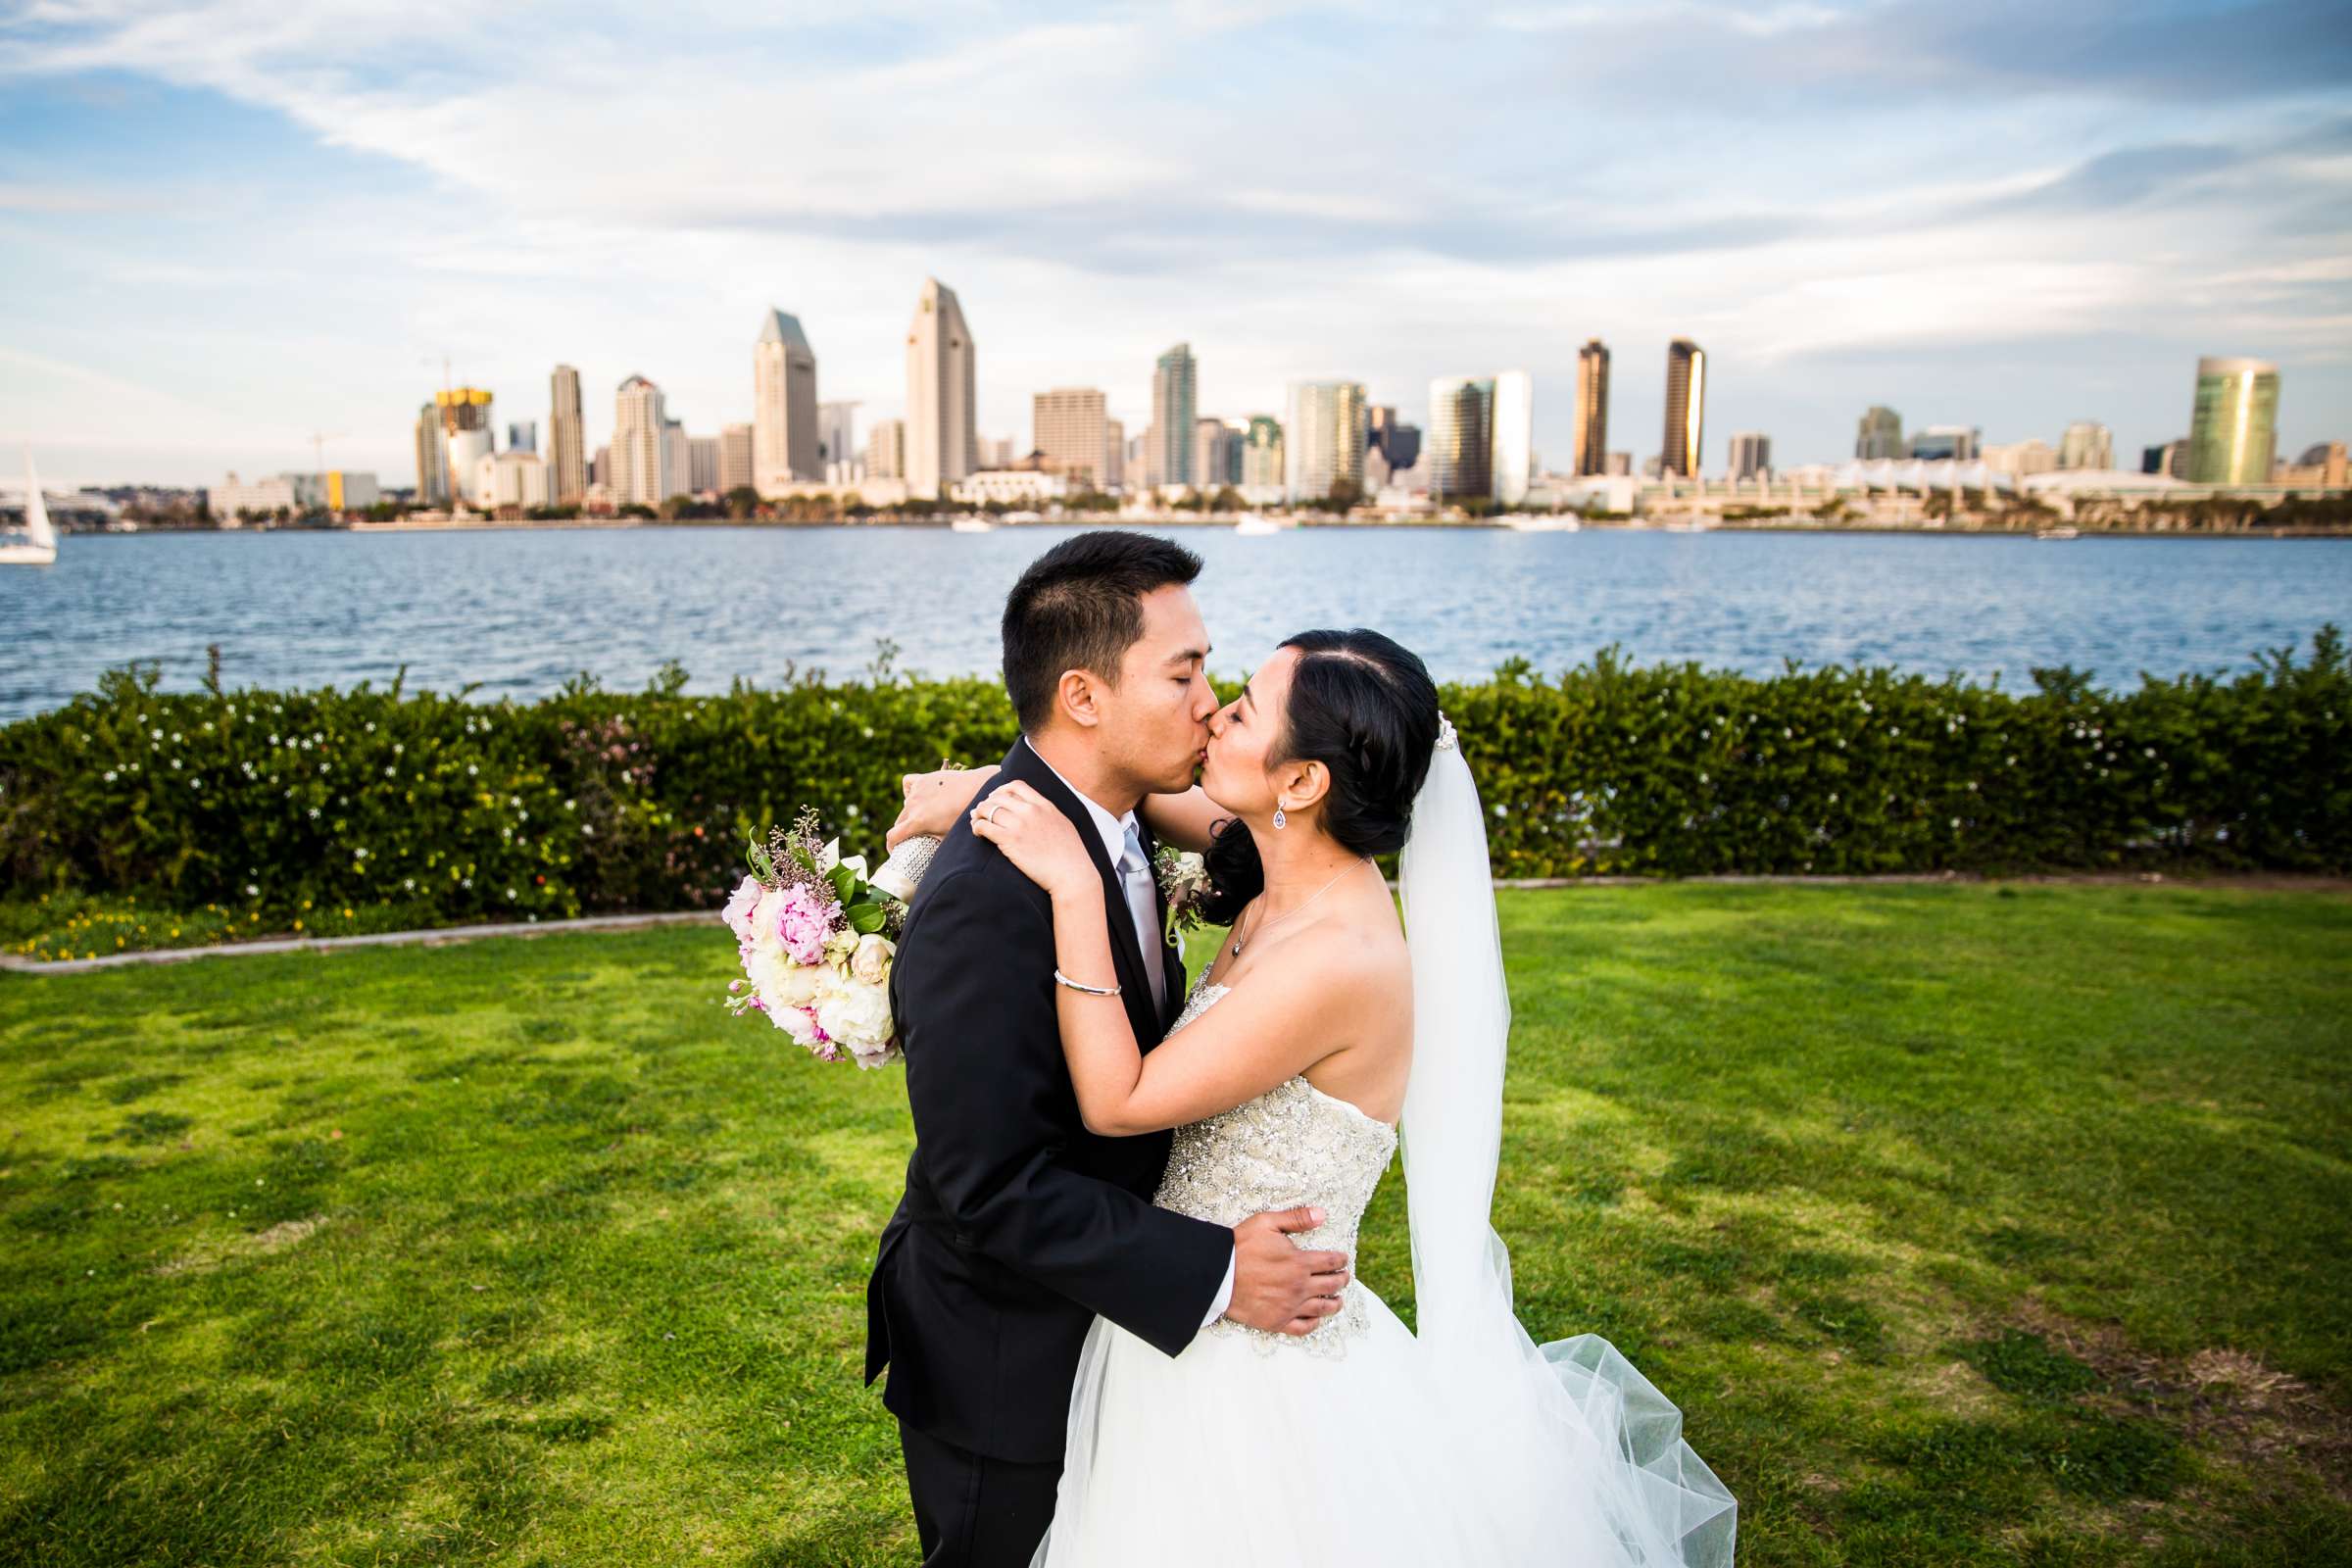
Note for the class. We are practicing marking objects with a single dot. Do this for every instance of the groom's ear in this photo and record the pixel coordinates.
(1078, 698)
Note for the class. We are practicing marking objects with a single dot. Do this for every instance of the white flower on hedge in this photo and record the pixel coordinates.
(853, 1013)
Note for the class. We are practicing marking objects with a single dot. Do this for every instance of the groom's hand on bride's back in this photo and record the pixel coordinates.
(1278, 1286)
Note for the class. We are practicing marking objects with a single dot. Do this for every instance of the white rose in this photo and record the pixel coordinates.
(839, 945)
(857, 1015)
(870, 963)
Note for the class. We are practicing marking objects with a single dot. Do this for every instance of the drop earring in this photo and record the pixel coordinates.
(1279, 819)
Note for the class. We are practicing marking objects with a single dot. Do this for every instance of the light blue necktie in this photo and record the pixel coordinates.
(1135, 874)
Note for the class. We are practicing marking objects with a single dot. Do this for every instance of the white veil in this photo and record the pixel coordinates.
(1569, 1432)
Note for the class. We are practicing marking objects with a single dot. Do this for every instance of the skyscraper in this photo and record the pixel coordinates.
(886, 450)
(677, 454)
(941, 441)
(1511, 459)
(1261, 453)
(837, 441)
(1591, 408)
(567, 438)
(432, 458)
(1069, 426)
(1397, 443)
(1751, 455)
(1685, 406)
(2086, 445)
(702, 464)
(1323, 439)
(735, 444)
(784, 438)
(2234, 432)
(1114, 455)
(640, 448)
(1174, 416)
(522, 436)
(1216, 450)
(1957, 442)
(465, 415)
(1880, 434)
(1461, 439)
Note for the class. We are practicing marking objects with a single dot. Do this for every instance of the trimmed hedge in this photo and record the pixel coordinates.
(448, 810)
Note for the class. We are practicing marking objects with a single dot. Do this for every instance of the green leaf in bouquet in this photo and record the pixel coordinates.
(806, 861)
(845, 883)
(867, 918)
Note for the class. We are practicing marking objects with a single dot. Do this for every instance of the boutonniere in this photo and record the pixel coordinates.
(1183, 878)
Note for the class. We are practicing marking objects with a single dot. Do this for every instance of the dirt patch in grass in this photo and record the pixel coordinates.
(279, 1237)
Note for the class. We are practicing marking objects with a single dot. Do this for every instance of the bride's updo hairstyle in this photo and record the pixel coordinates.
(1364, 706)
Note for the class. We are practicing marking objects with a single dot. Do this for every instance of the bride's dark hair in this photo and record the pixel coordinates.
(1364, 706)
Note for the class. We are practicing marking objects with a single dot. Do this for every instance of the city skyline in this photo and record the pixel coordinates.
(227, 236)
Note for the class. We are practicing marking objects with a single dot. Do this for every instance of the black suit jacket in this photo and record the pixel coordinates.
(1018, 1225)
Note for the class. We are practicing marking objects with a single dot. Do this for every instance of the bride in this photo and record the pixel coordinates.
(1321, 1037)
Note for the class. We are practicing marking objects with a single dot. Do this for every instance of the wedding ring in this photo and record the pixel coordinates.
(991, 813)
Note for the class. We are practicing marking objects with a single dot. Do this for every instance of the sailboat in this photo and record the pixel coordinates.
(37, 546)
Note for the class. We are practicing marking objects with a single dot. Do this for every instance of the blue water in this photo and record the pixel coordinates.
(520, 610)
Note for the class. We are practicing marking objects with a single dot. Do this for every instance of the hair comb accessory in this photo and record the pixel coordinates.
(1445, 735)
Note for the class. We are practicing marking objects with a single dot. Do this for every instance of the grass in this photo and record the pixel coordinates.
(1974, 1224)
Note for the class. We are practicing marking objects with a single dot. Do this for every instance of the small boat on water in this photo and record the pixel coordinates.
(972, 525)
(1256, 526)
(37, 544)
(2062, 531)
(1542, 522)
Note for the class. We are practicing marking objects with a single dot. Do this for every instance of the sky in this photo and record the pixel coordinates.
(227, 229)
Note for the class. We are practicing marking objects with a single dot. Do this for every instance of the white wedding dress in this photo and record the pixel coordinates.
(1360, 1443)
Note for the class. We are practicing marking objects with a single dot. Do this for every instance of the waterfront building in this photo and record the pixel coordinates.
(736, 444)
(940, 443)
(702, 464)
(1881, 436)
(679, 455)
(2086, 443)
(1511, 456)
(1685, 406)
(886, 450)
(1752, 456)
(1217, 455)
(1114, 455)
(2235, 428)
(1261, 453)
(510, 478)
(1620, 465)
(1592, 453)
(568, 438)
(433, 460)
(784, 424)
(1946, 443)
(2022, 458)
(2322, 467)
(641, 454)
(1323, 438)
(837, 441)
(1461, 439)
(1175, 416)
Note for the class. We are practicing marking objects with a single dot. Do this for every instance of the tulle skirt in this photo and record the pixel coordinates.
(1235, 1453)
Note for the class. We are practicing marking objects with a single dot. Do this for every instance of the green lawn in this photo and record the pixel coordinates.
(1968, 1224)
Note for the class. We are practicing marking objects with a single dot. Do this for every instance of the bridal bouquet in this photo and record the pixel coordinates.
(815, 937)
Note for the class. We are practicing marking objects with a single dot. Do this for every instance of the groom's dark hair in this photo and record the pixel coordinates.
(1080, 607)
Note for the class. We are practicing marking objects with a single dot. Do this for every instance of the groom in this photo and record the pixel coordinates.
(1018, 1225)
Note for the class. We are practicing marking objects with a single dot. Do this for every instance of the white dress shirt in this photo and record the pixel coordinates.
(1117, 833)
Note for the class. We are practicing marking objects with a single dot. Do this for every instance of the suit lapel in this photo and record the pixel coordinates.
(1135, 987)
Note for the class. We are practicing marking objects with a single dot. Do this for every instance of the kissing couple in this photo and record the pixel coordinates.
(1118, 1302)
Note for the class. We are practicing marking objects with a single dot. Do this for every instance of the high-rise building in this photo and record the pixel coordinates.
(2167, 459)
(2234, 432)
(433, 460)
(735, 466)
(941, 439)
(1960, 443)
(1591, 408)
(1621, 466)
(784, 437)
(1751, 455)
(1685, 406)
(678, 453)
(1070, 427)
(1174, 414)
(523, 435)
(997, 451)
(2086, 445)
(1512, 459)
(886, 450)
(640, 460)
(2021, 457)
(1216, 453)
(1114, 455)
(837, 441)
(1261, 453)
(2322, 464)
(599, 467)
(568, 438)
(1461, 439)
(463, 413)
(1397, 443)
(1323, 439)
(702, 464)
(1880, 434)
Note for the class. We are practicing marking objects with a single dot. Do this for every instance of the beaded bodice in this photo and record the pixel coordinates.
(1292, 1146)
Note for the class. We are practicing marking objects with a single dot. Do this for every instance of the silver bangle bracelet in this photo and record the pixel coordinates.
(1091, 991)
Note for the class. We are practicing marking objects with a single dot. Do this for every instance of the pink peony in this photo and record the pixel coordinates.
(738, 913)
(802, 922)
